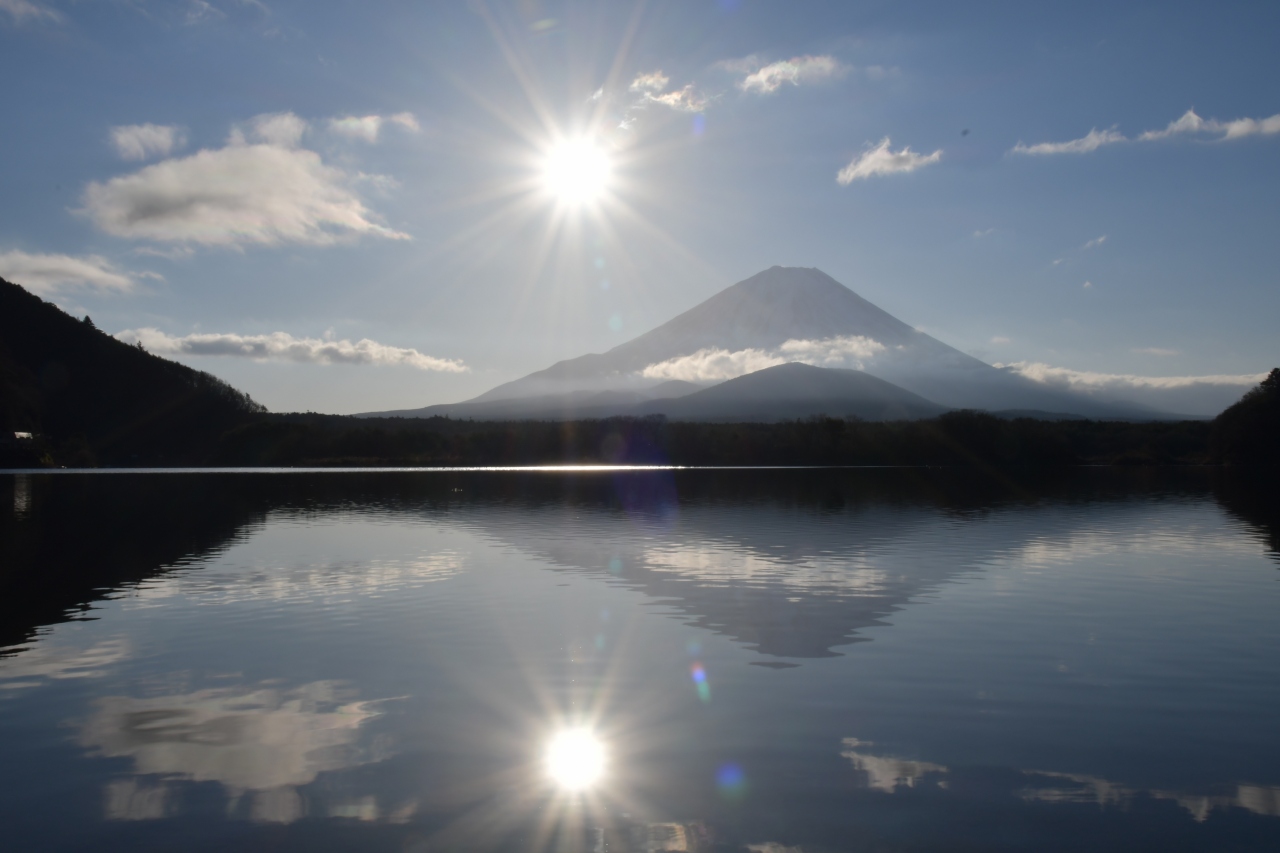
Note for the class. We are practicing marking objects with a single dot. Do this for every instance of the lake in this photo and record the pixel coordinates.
(762, 660)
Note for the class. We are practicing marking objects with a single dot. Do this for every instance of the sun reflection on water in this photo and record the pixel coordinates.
(575, 759)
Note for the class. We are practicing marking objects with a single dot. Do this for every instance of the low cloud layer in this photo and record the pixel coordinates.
(1189, 124)
(1190, 395)
(50, 274)
(713, 364)
(281, 346)
(143, 141)
(265, 193)
(882, 160)
(794, 71)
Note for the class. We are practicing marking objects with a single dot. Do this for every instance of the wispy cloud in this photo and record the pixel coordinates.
(1189, 124)
(142, 141)
(715, 364)
(25, 10)
(1095, 242)
(652, 81)
(368, 127)
(264, 193)
(882, 160)
(1091, 141)
(1160, 351)
(685, 100)
(987, 232)
(282, 346)
(1000, 339)
(50, 274)
(799, 69)
(651, 88)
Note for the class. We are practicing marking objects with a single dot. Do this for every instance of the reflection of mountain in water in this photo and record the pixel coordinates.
(793, 563)
(796, 574)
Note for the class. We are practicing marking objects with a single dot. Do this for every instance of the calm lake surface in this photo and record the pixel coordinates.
(861, 660)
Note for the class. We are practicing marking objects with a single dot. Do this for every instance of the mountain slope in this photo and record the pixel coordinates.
(758, 319)
(789, 391)
(116, 403)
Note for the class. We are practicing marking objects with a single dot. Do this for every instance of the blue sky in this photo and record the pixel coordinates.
(287, 179)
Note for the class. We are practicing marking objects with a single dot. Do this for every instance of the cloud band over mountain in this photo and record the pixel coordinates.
(282, 346)
(712, 364)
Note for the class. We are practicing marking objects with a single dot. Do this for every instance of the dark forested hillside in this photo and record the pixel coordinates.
(95, 400)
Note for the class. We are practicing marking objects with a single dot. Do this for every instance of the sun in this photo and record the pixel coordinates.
(577, 172)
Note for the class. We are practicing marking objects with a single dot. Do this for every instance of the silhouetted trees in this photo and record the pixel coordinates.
(94, 399)
(1248, 433)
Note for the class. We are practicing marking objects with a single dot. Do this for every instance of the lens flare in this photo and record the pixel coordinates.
(576, 172)
(575, 759)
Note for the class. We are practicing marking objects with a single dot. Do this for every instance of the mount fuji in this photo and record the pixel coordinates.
(779, 316)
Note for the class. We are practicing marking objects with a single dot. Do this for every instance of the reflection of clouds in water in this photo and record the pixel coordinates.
(263, 742)
(721, 565)
(326, 583)
(1076, 788)
(1087, 545)
(42, 662)
(887, 774)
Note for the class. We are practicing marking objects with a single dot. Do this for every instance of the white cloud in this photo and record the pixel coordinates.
(1188, 124)
(832, 352)
(1250, 126)
(242, 194)
(406, 120)
(715, 364)
(712, 364)
(282, 129)
(1203, 396)
(1192, 123)
(685, 100)
(141, 141)
(1095, 242)
(653, 81)
(1094, 140)
(984, 233)
(806, 69)
(282, 346)
(1085, 380)
(1087, 285)
(368, 127)
(1000, 339)
(1160, 351)
(880, 160)
(23, 10)
(49, 274)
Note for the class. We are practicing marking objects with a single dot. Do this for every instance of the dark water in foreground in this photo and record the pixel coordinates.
(875, 660)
